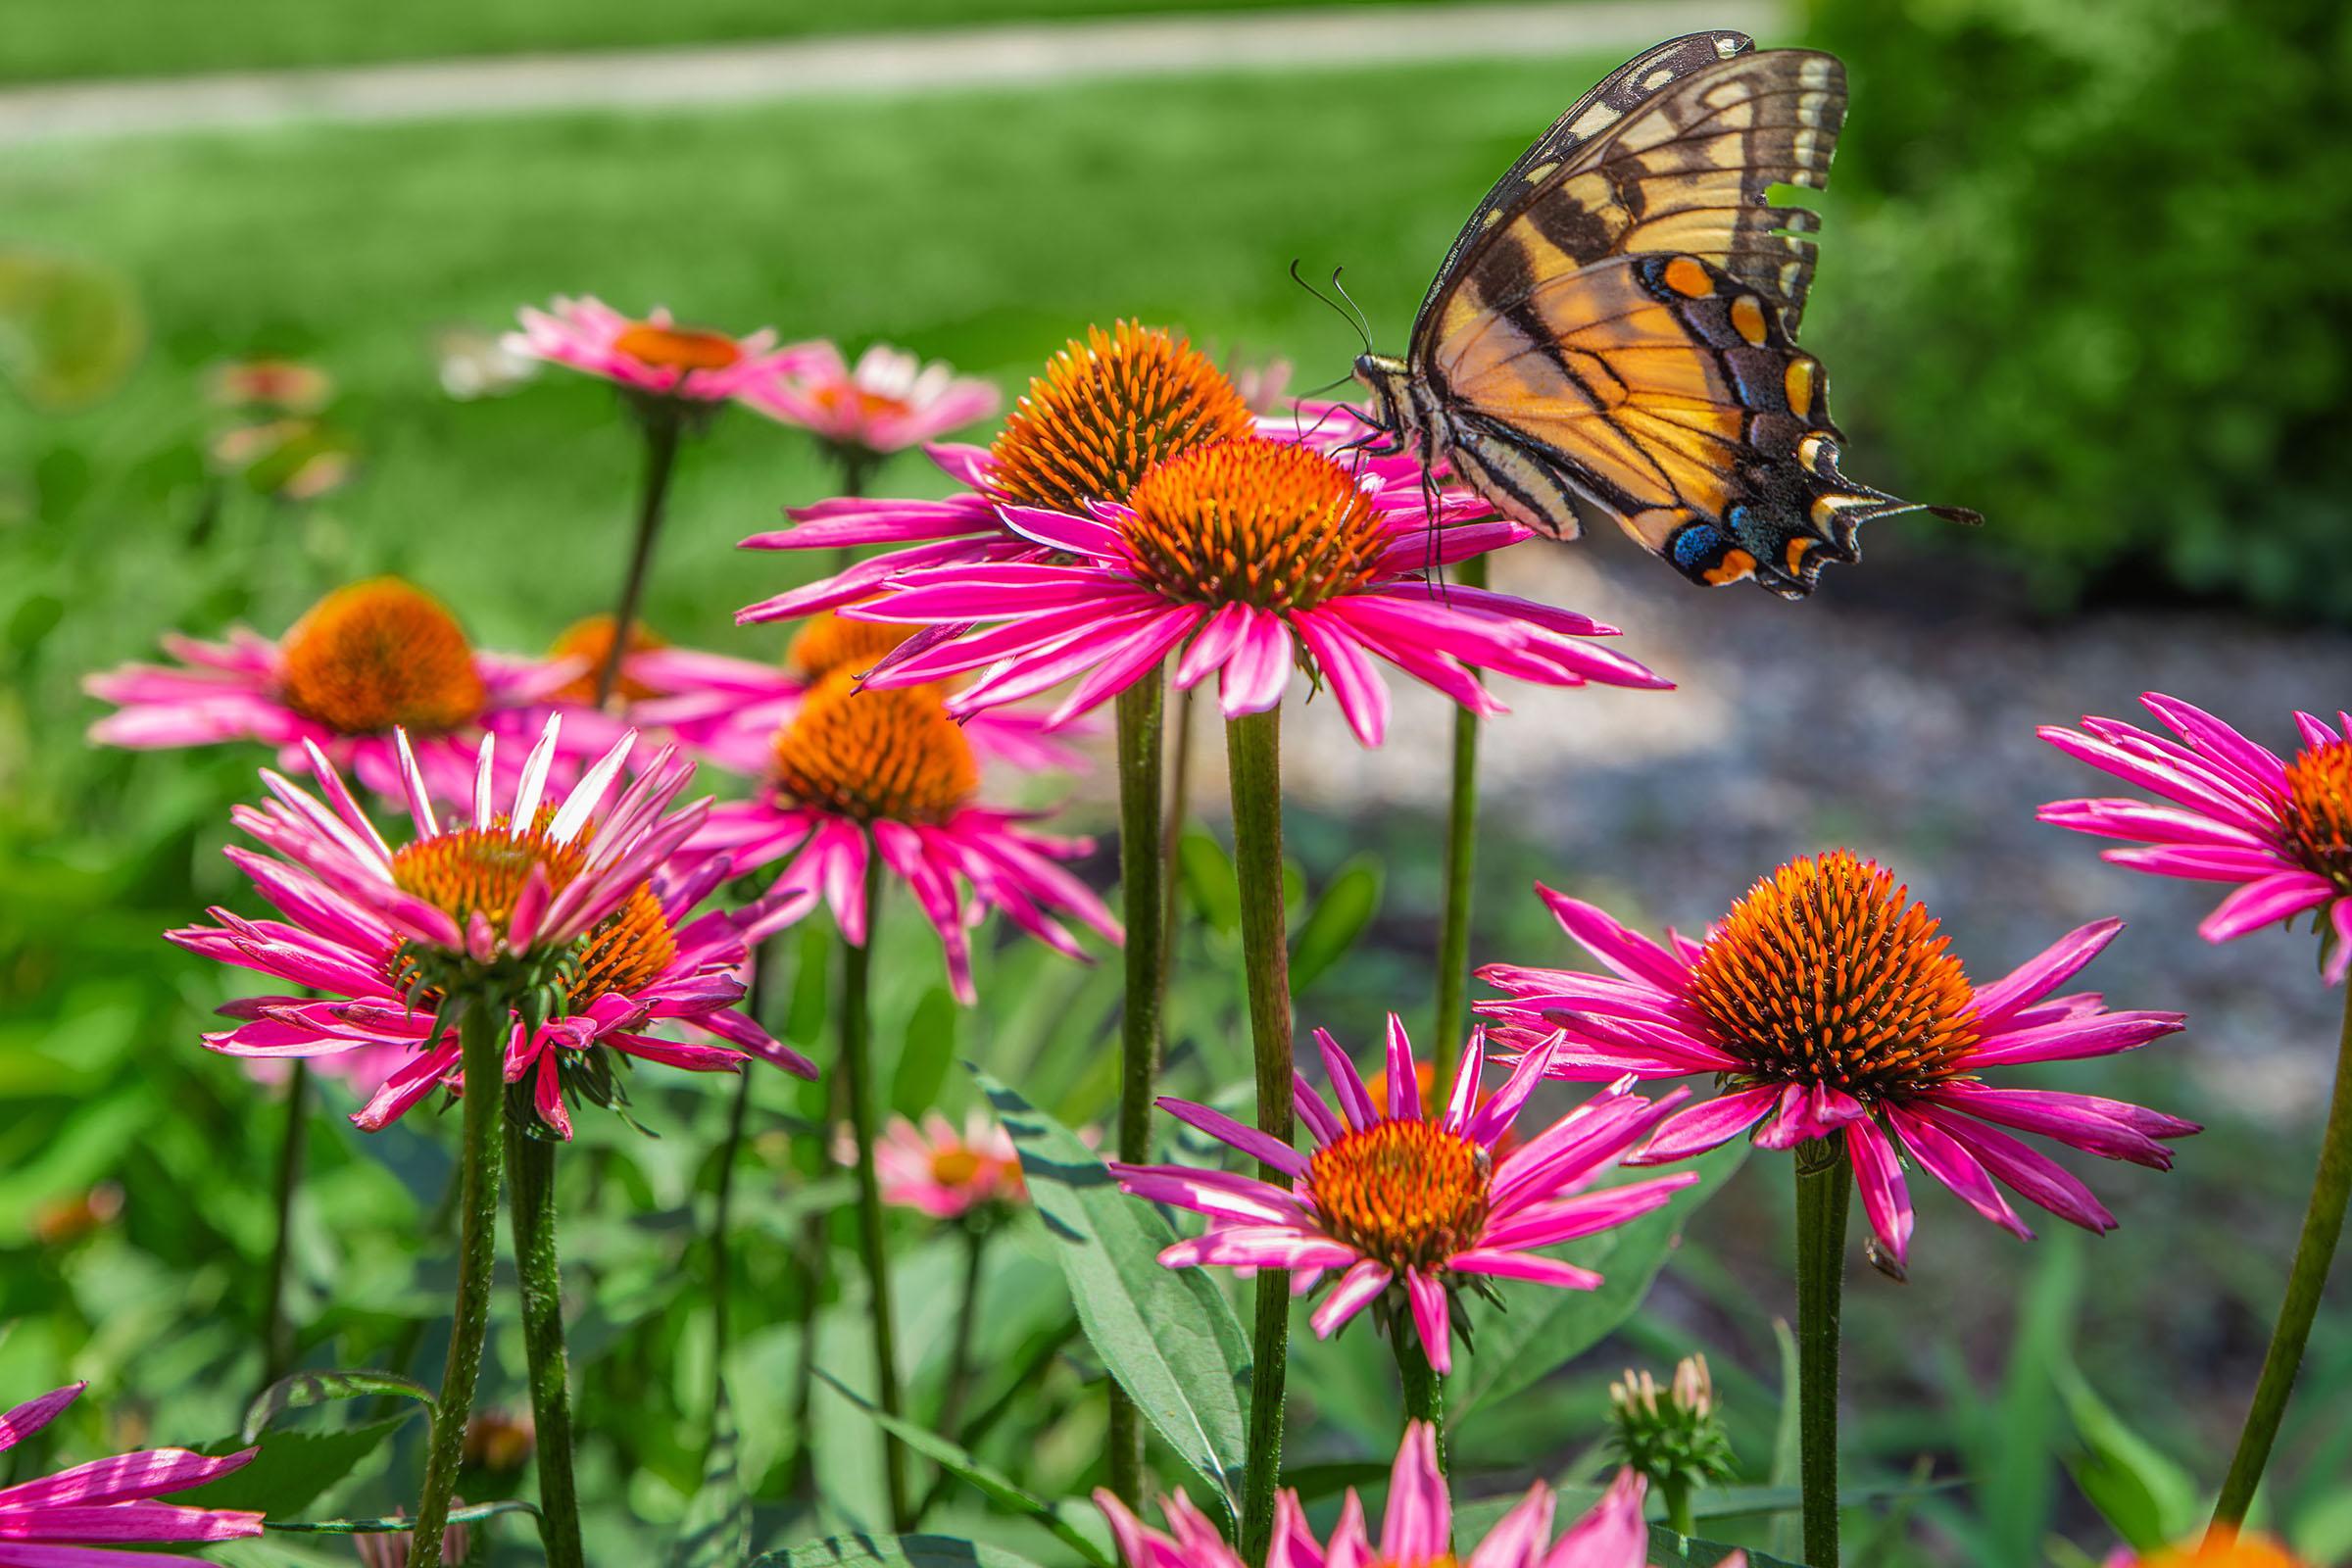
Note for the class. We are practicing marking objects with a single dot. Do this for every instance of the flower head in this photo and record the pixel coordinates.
(1107, 410)
(856, 772)
(2232, 811)
(890, 402)
(72, 1517)
(1828, 1003)
(655, 357)
(366, 659)
(1244, 559)
(1417, 1531)
(941, 1171)
(581, 908)
(1399, 1199)
(270, 386)
(2218, 1548)
(1672, 1438)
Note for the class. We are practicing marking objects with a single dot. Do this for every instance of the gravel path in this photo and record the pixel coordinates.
(1005, 55)
(1895, 713)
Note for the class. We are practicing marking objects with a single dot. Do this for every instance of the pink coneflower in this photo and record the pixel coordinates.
(1106, 411)
(74, 1518)
(1827, 1003)
(858, 773)
(368, 658)
(940, 1170)
(287, 386)
(1245, 559)
(728, 710)
(1394, 1199)
(655, 357)
(587, 895)
(1417, 1531)
(890, 402)
(2282, 829)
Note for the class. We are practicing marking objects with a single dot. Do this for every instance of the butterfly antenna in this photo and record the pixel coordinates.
(1360, 329)
(1363, 322)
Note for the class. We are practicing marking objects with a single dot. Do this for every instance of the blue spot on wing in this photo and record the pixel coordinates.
(1693, 543)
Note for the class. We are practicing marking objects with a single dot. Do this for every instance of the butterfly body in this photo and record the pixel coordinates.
(1616, 324)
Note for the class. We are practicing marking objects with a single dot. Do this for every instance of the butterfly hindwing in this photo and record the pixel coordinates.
(1668, 392)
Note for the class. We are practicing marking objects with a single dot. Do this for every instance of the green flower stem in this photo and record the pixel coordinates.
(856, 1071)
(1674, 1493)
(722, 1271)
(967, 1320)
(531, 1209)
(1825, 1183)
(278, 1340)
(1254, 760)
(2323, 1226)
(1424, 1385)
(1171, 838)
(1142, 709)
(664, 426)
(482, 1037)
(1462, 849)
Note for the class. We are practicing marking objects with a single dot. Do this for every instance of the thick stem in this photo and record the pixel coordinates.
(531, 1207)
(481, 1034)
(2314, 1251)
(662, 430)
(277, 1341)
(1825, 1183)
(1461, 847)
(967, 1319)
(856, 1071)
(1141, 708)
(1675, 1494)
(1424, 1385)
(1254, 760)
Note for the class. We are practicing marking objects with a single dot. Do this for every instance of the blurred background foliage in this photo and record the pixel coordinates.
(2082, 269)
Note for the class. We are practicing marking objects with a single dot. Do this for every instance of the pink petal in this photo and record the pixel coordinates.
(1880, 1180)
(2277, 897)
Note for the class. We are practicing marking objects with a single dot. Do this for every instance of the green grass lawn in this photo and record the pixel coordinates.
(50, 39)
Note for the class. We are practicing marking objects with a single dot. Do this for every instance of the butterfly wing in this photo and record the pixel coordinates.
(1668, 391)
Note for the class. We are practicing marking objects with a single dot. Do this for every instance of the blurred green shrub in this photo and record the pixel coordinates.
(2104, 281)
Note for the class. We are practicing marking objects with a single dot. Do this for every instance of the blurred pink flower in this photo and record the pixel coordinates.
(860, 772)
(728, 710)
(1246, 560)
(655, 355)
(2232, 810)
(1394, 1197)
(368, 658)
(1828, 1003)
(939, 1170)
(890, 402)
(1417, 1531)
(1106, 411)
(595, 885)
(72, 1519)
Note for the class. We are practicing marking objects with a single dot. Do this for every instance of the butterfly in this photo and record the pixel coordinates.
(1617, 322)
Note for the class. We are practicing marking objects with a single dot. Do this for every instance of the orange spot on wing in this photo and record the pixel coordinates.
(1747, 317)
(1735, 566)
(1797, 549)
(1800, 380)
(1687, 278)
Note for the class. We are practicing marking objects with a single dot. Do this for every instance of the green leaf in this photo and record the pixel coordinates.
(306, 1388)
(1167, 1335)
(1339, 917)
(2149, 1499)
(994, 1484)
(1670, 1551)
(930, 1050)
(293, 1468)
(474, 1513)
(1545, 1327)
(892, 1552)
(716, 1529)
(1208, 874)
